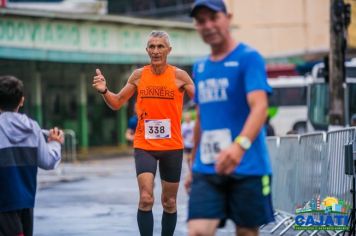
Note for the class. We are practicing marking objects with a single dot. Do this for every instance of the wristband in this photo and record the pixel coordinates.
(243, 141)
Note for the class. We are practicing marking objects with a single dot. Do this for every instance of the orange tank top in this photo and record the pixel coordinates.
(159, 107)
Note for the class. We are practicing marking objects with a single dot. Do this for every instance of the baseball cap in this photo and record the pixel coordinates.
(215, 5)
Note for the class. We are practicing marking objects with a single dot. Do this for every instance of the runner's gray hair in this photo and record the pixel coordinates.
(160, 34)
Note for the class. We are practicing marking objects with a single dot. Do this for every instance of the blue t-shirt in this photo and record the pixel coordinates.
(221, 94)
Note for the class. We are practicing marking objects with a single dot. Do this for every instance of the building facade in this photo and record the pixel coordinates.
(56, 56)
(56, 53)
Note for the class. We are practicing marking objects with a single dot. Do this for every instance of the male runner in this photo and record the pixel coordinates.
(231, 171)
(160, 88)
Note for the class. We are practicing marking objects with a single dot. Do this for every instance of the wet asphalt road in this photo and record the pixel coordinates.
(99, 198)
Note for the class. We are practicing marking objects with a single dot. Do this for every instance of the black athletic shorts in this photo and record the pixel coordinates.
(19, 222)
(170, 163)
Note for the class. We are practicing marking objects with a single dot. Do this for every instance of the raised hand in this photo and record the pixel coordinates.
(99, 82)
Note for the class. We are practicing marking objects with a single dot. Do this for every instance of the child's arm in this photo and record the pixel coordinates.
(49, 154)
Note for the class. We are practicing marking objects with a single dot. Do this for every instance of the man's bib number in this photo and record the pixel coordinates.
(212, 142)
(157, 129)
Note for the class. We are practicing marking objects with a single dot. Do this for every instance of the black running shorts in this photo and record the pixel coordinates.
(170, 163)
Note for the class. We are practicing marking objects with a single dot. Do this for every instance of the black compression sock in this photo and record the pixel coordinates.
(169, 221)
(145, 222)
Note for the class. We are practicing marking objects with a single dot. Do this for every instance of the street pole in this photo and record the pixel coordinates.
(339, 20)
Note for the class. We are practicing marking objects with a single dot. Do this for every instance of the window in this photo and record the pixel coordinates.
(294, 96)
(352, 99)
(319, 104)
(350, 72)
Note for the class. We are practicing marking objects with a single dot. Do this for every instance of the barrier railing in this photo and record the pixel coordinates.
(308, 167)
(69, 151)
(338, 184)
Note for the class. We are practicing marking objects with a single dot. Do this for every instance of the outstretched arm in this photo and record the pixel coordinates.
(116, 100)
(49, 154)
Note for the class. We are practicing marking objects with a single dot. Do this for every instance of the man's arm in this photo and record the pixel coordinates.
(185, 82)
(258, 103)
(116, 100)
(229, 158)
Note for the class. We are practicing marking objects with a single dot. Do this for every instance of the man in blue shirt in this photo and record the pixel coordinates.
(231, 171)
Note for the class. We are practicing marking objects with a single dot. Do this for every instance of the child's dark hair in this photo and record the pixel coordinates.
(11, 92)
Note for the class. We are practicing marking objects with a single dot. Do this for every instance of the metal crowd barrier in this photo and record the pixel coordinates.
(273, 144)
(69, 151)
(337, 183)
(283, 152)
(308, 167)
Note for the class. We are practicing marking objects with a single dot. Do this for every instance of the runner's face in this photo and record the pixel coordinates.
(158, 50)
(212, 26)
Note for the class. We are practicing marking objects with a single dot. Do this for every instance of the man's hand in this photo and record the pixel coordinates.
(99, 82)
(228, 159)
(56, 134)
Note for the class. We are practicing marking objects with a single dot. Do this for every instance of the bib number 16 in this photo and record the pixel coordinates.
(212, 142)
